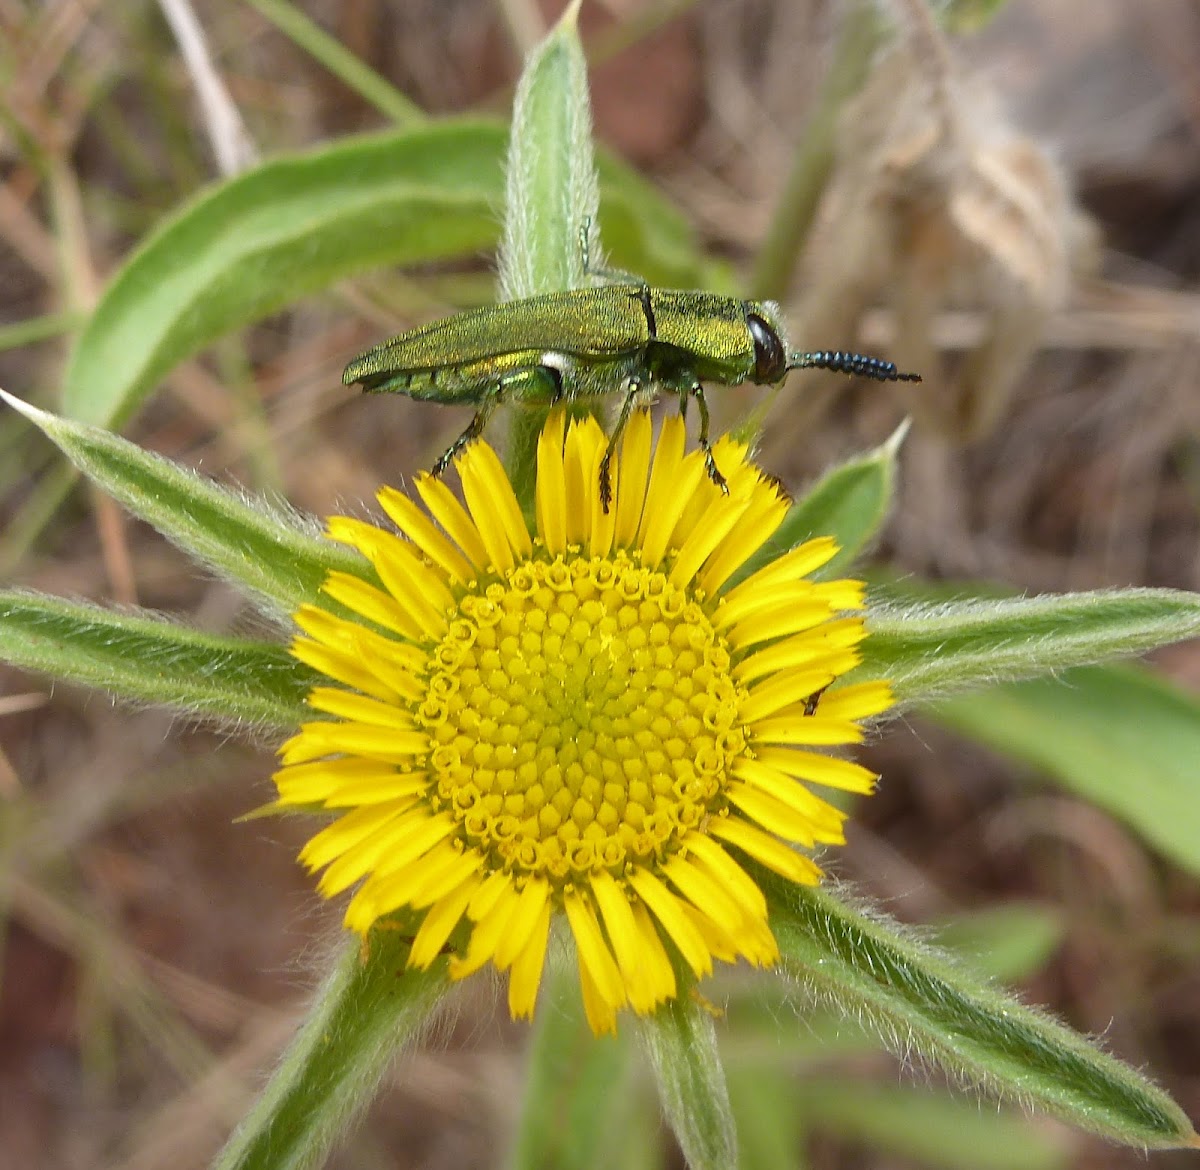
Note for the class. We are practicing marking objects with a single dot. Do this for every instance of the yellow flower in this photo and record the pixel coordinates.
(587, 719)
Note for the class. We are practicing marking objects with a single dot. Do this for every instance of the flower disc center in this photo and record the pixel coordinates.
(582, 716)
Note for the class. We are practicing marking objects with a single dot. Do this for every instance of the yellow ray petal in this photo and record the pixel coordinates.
(704, 851)
(655, 963)
(351, 830)
(673, 479)
(801, 651)
(381, 895)
(794, 565)
(435, 881)
(720, 943)
(394, 847)
(526, 973)
(631, 490)
(858, 700)
(373, 604)
(453, 517)
(444, 915)
(316, 782)
(740, 604)
(637, 971)
(391, 663)
(412, 847)
(842, 595)
(531, 902)
(362, 535)
(580, 487)
(781, 621)
(359, 708)
(793, 726)
(764, 513)
(601, 1014)
(355, 739)
(488, 933)
(417, 588)
(550, 490)
(782, 817)
(774, 693)
(342, 666)
(593, 950)
(339, 633)
(669, 910)
(705, 537)
(489, 893)
(588, 524)
(421, 530)
(830, 771)
(397, 666)
(432, 883)
(493, 506)
(821, 816)
(385, 786)
(440, 871)
(323, 626)
(741, 481)
(752, 940)
(703, 892)
(769, 850)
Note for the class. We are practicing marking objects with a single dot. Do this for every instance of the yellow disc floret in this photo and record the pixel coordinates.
(582, 716)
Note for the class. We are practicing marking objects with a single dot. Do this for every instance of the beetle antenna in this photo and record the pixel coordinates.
(857, 364)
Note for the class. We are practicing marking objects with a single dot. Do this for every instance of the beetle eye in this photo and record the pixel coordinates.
(770, 363)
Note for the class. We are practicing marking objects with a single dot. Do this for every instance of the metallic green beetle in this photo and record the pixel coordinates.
(588, 342)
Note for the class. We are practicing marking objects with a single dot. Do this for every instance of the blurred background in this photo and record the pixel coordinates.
(1008, 202)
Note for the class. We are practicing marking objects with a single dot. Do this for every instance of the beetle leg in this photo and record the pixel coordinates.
(487, 404)
(633, 387)
(492, 397)
(710, 464)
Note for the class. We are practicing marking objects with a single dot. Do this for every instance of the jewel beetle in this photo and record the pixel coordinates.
(626, 338)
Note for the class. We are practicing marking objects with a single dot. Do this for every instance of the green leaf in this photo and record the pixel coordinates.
(142, 658)
(1116, 736)
(929, 652)
(553, 193)
(270, 551)
(681, 1043)
(930, 1128)
(849, 502)
(924, 1003)
(364, 1017)
(551, 204)
(1007, 942)
(256, 242)
(260, 240)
